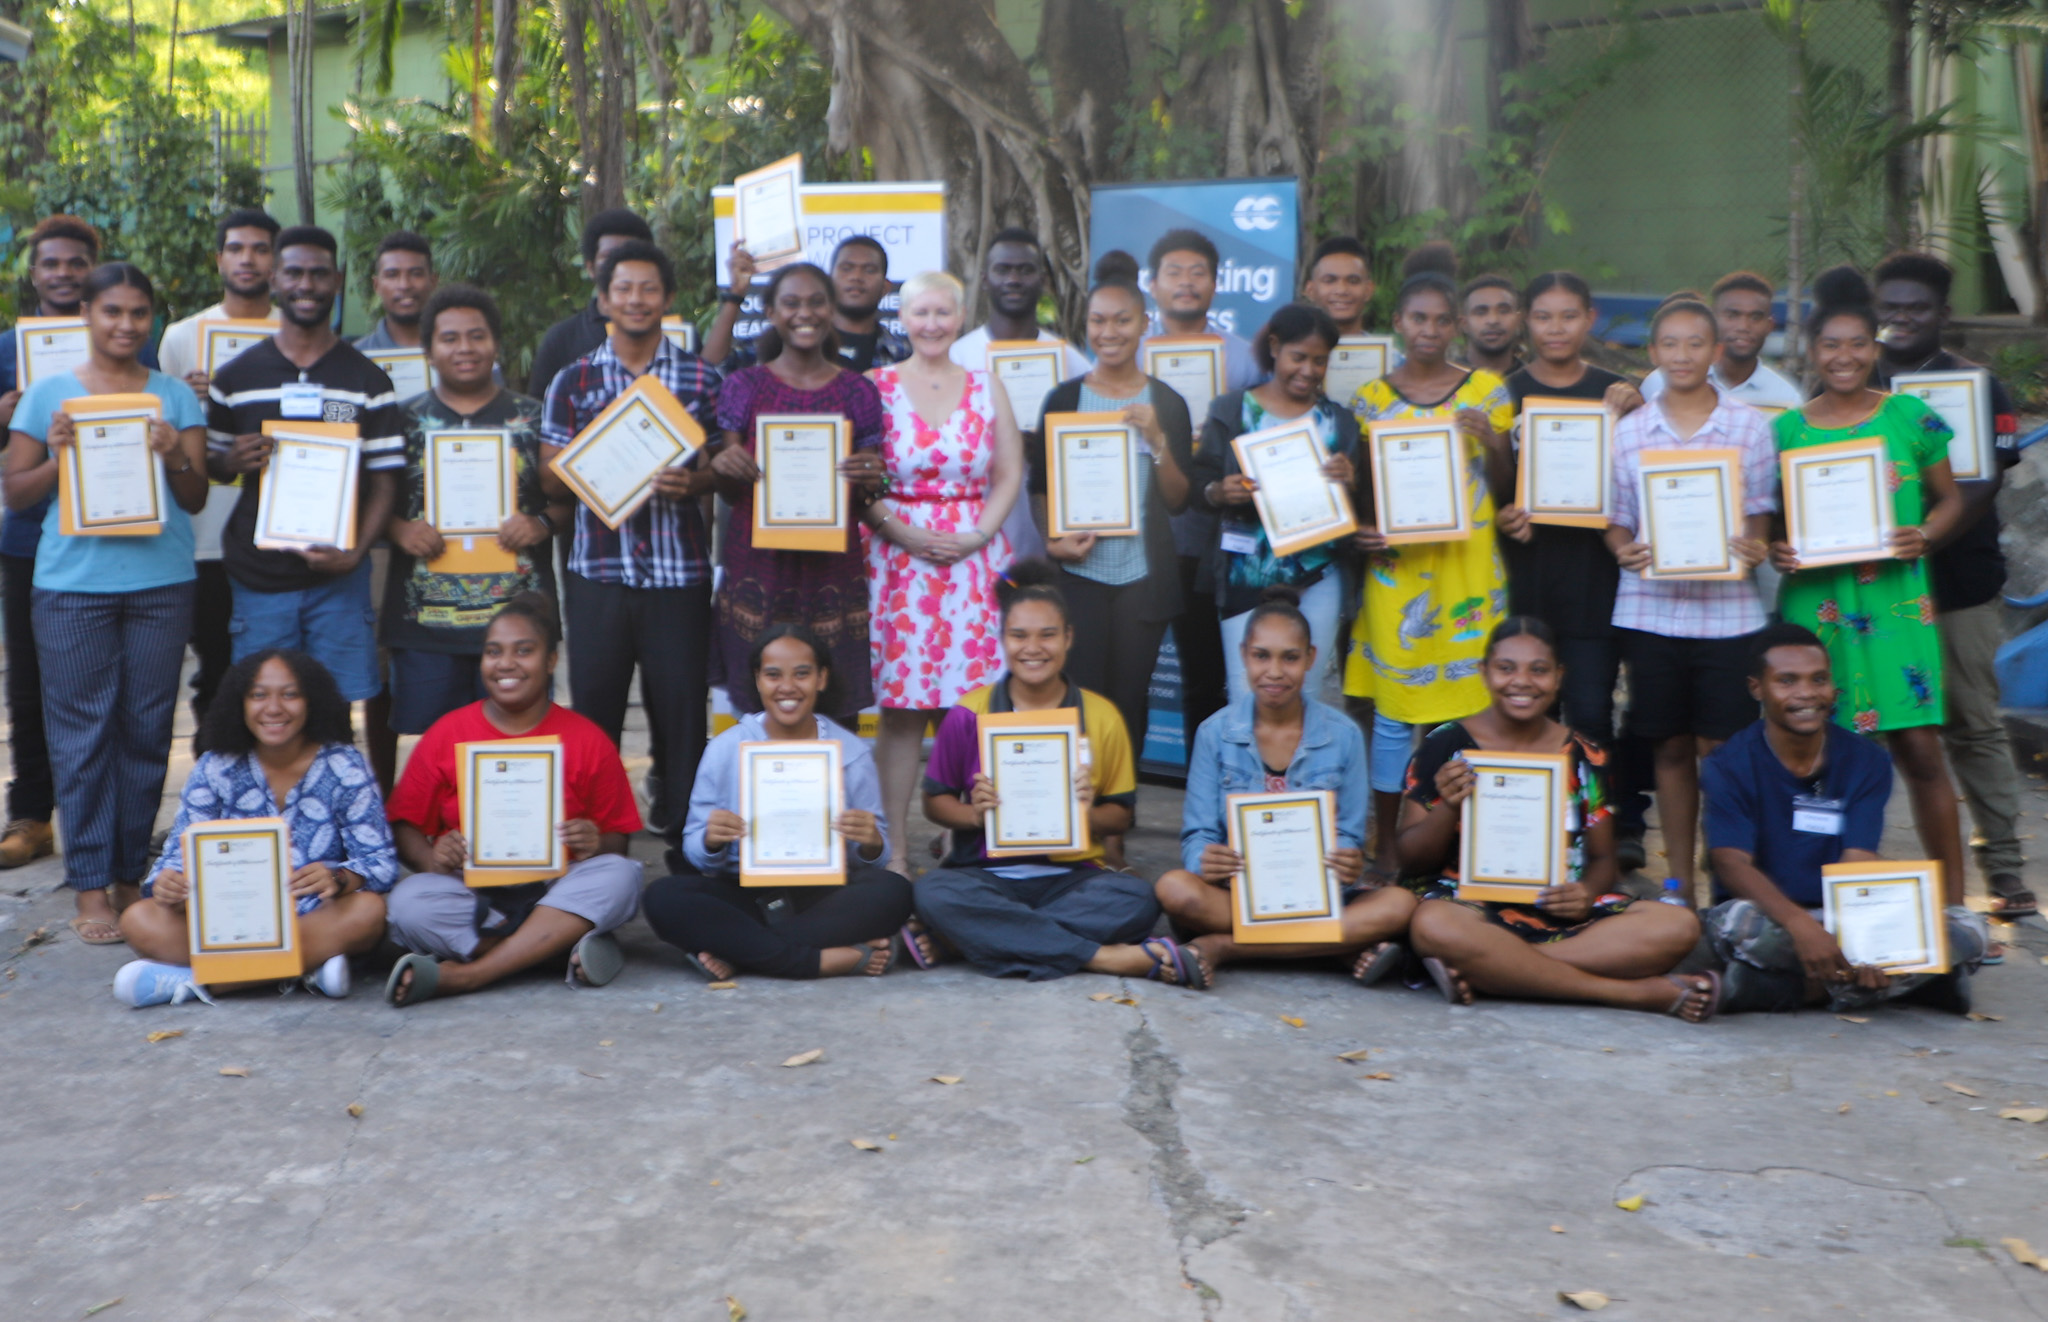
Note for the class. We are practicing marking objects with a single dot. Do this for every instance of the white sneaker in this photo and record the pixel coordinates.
(332, 979)
(143, 982)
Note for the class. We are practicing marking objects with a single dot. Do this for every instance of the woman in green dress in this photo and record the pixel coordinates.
(1877, 618)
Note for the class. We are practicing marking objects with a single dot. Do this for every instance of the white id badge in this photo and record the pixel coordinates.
(1239, 543)
(300, 399)
(1817, 816)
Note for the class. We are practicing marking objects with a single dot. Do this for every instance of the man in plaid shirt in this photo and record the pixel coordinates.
(640, 595)
(1686, 644)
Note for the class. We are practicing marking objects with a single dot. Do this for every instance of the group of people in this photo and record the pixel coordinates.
(939, 609)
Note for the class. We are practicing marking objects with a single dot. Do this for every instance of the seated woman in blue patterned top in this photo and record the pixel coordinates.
(277, 743)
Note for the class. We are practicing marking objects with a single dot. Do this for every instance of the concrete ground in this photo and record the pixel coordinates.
(640, 1152)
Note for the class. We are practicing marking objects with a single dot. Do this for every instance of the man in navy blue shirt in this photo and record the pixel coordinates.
(1784, 798)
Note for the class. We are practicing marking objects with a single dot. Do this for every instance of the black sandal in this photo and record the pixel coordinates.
(2010, 897)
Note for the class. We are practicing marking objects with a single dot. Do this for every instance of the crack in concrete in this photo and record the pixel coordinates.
(1194, 1212)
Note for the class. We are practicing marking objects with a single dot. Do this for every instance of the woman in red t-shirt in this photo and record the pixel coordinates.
(457, 944)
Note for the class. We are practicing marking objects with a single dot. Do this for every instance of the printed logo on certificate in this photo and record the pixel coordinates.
(1191, 364)
(1887, 914)
(1028, 369)
(612, 463)
(47, 346)
(680, 333)
(1838, 503)
(407, 368)
(1963, 401)
(1357, 362)
(309, 486)
(222, 338)
(109, 482)
(768, 212)
(510, 794)
(800, 499)
(1418, 481)
(241, 919)
(1033, 759)
(1091, 475)
(1691, 503)
(790, 793)
(1566, 472)
(1511, 830)
(1287, 890)
(1297, 505)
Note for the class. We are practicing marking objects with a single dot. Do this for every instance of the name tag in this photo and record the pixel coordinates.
(1239, 543)
(1817, 816)
(300, 400)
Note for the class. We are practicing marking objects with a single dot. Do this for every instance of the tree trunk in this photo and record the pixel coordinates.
(298, 31)
(504, 68)
(1082, 47)
(574, 52)
(1902, 162)
(1795, 190)
(616, 105)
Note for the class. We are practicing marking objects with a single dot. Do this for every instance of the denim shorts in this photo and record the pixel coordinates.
(333, 622)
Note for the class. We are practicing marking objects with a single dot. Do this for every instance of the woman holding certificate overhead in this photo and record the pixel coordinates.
(276, 747)
(1277, 757)
(801, 446)
(1422, 626)
(1534, 793)
(1875, 613)
(123, 448)
(513, 815)
(1294, 349)
(785, 837)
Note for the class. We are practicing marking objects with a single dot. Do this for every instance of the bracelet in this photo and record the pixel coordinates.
(546, 521)
(727, 296)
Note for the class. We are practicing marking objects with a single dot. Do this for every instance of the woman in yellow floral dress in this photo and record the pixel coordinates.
(1420, 636)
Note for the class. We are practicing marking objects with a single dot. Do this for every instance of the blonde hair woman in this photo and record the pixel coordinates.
(954, 463)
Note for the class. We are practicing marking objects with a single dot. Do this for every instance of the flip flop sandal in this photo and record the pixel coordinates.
(895, 953)
(1994, 953)
(1187, 965)
(426, 980)
(697, 963)
(1440, 974)
(1688, 991)
(2010, 897)
(1385, 959)
(915, 951)
(80, 923)
(598, 957)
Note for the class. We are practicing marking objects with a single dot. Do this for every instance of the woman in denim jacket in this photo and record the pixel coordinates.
(1272, 739)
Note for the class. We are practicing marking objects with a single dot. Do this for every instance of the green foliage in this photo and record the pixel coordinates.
(2024, 369)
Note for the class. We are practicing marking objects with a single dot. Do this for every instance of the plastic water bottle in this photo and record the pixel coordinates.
(1674, 893)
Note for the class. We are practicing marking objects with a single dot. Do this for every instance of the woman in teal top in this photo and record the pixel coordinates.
(111, 612)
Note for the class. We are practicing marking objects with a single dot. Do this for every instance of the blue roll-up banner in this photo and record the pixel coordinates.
(1254, 224)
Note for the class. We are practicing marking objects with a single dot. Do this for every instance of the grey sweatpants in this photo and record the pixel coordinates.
(1738, 930)
(1040, 927)
(431, 913)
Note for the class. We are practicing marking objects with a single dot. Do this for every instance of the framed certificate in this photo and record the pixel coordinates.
(1887, 914)
(242, 922)
(1298, 506)
(407, 369)
(1963, 401)
(680, 333)
(1691, 503)
(1191, 364)
(612, 463)
(46, 346)
(110, 483)
(1511, 831)
(790, 792)
(1566, 473)
(221, 338)
(1033, 758)
(800, 501)
(470, 478)
(1287, 891)
(1357, 362)
(510, 792)
(1418, 480)
(768, 212)
(1838, 503)
(309, 486)
(1028, 369)
(1091, 475)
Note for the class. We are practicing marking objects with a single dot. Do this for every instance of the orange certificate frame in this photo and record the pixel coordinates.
(221, 338)
(1511, 830)
(1074, 501)
(1313, 510)
(612, 463)
(408, 369)
(1357, 362)
(1286, 891)
(478, 764)
(1666, 476)
(1889, 912)
(1033, 745)
(1554, 480)
(1851, 475)
(104, 412)
(800, 786)
(1028, 370)
(768, 212)
(1192, 364)
(242, 924)
(43, 346)
(311, 436)
(1962, 399)
(680, 333)
(1430, 454)
(799, 456)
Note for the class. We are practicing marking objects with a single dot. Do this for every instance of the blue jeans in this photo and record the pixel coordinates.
(425, 686)
(110, 664)
(333, 623)
(1393, 744)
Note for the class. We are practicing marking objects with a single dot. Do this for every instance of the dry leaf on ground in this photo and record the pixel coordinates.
(1557, 1230)
(1633, 1203)
(735, 1311)
(2033, 1115)
(235, 1071)
(948, 1079)
(97, 1309)
(1843, 1109)
(1590, 1300)
(166, 1034)
(605, 1043)
(804, 1058)
(1359, 1054)
(1126, 1000)
(1083, 1161)
(1290, 1019)
(1979, 1017)
(1380, 1075)
(720, 986)
(1852, 1018)
(2023, 1253)
(588, 1075)
(1958, 1088)
(865, 1145)
(158, 1197)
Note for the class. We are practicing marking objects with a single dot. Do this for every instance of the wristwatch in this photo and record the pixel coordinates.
(546, 522)
(727, 296)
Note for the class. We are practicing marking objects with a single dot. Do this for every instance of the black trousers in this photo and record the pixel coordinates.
(31, 795)
(213, 606)
(1117, 650)
(666, 633)
(1198, 638)
(1590, 666)
(775, 931)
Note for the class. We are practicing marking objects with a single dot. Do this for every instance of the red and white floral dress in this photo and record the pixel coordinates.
(932, 628)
